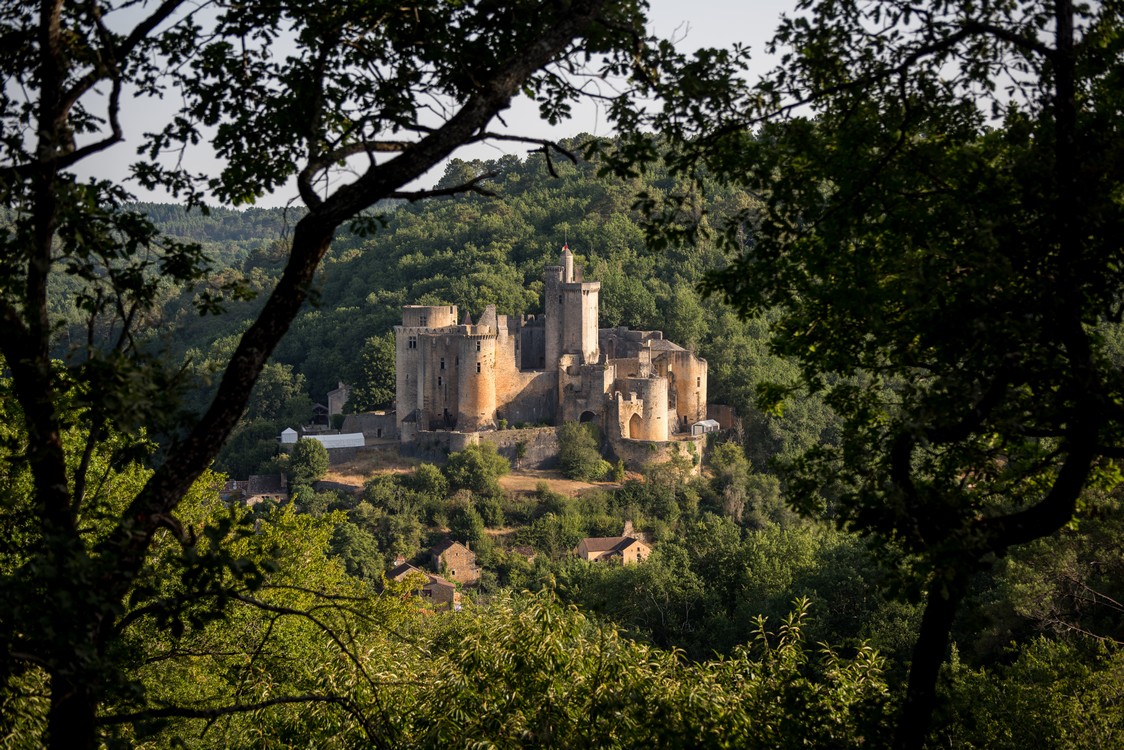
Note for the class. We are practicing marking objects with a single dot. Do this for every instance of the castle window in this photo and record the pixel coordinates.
(477, 367)
(477, 346)
(698, 383)
(413, 342)
(457, 361)
(438, 380)
(560, 299)
(425, 320)
(442, 363)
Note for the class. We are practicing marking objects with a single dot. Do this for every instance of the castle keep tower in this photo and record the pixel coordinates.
(571, 312)
(410, 366)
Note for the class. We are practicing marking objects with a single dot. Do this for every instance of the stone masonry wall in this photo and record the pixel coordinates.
(636, 453)
(540, 445)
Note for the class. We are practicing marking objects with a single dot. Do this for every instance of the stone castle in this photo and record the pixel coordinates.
(560, 367)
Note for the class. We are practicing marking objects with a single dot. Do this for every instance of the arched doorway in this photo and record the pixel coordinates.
(587, 416)
(635, 427)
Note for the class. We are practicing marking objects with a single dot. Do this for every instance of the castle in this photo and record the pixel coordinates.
(559, 367)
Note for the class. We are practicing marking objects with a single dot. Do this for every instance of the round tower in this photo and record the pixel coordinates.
(689, 381)
(567, 265)
(476, 386)
(652, 424)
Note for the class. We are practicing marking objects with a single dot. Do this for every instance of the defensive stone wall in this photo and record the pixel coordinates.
(373, 424)
(724, 415)
(526, 396)
(636, 453)
(540, 445)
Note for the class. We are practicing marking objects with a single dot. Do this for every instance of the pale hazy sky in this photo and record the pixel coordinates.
(697, 23)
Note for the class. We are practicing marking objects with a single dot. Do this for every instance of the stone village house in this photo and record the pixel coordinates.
(628, 549)
(434, 588)
(455, 561)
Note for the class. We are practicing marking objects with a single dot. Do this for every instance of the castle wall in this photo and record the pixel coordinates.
(532, 345)
(724, 415)
(438, 385)
(409, 353)
(527, 397)
(579, 319)
(626, 367)
(429, 316)
(637, 453)
(373, 424)
(539, 445)
(585, 389)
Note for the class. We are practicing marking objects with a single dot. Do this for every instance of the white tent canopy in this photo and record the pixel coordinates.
(704, 426)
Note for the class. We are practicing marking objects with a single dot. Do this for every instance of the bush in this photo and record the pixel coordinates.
(308, 463)
(477, 468)
(578, 452)
(428, 480)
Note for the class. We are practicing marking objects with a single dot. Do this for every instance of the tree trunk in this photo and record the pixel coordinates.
(946, 590)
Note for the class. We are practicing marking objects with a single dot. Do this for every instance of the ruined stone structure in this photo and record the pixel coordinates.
(560, 367)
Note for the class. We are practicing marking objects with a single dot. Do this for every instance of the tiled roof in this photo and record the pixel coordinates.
(607, 543)
(399, 572)
(446, 545)
(663, 345)
(265, 484)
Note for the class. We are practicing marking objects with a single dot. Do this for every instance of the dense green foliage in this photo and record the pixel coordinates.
(939, 251)
(300, 620)
(308, 463)
(477, 468)
(579, 452)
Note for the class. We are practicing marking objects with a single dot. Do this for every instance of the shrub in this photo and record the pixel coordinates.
(578, 452)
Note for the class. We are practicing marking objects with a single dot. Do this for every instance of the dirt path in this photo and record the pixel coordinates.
(350, 475)
(528, 479)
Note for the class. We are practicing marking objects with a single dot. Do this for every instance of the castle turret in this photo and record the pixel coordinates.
(409, 366)
(477, 382)
(553, 303)
(571, 313)
(649, 422)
